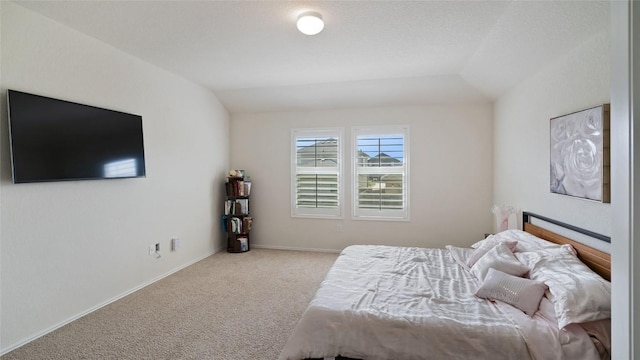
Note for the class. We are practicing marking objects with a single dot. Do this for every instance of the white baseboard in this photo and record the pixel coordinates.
(333, 251)
(103, 304)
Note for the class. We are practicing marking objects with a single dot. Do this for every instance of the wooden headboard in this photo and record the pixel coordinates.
(597, 260)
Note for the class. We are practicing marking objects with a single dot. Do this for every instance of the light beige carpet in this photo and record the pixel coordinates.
(225, 307)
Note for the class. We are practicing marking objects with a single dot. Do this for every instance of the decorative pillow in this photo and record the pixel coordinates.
(578, 294)
(499, 258)
(488, 244)
(522, 293)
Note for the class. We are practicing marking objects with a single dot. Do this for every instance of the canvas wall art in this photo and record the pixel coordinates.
(580, 154)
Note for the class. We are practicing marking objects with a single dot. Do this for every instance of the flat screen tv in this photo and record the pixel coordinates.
(57, 140)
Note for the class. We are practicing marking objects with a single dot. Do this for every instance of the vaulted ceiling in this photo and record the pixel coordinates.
(371, 53)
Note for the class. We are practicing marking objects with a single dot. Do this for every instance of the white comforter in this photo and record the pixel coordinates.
(381, 302)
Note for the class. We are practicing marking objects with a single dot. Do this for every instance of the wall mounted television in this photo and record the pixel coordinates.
(57, 140)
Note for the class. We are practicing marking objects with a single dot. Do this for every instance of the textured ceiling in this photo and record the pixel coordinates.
(369, 54)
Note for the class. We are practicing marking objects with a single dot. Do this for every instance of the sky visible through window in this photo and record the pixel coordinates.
(374, 145)
(391, 145)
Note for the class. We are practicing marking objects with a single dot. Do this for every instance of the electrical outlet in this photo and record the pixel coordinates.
(175, 244)
(157, 247)
(152, 249)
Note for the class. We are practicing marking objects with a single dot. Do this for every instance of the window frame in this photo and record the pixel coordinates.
(380, 215)
(318, 213)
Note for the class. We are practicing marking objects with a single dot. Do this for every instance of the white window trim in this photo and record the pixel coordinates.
(337, 213)
(378, 215)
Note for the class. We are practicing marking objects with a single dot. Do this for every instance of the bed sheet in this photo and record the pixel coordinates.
(404, 303)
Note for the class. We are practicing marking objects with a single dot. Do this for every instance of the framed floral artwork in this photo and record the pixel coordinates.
(580, 159)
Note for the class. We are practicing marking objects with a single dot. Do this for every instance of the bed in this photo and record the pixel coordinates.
(531, 294)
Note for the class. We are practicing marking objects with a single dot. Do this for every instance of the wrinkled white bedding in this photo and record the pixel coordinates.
(382, 302)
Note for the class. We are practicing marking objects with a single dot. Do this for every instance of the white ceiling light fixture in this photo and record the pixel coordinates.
(310, 23)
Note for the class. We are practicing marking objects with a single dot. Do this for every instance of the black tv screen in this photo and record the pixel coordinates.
(57, 140)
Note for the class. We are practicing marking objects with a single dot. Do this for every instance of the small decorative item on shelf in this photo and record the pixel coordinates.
(236, 221)
(236, 173)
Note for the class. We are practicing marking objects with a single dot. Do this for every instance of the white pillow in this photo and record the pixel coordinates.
(486, 245)
(577, 292)
(526, 241)
(522, 293)
(499, 258)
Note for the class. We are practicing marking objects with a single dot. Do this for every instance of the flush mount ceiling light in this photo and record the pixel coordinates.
(310, 23)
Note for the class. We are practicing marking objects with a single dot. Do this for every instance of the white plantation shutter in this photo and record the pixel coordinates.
(316, 170)
(382, 172)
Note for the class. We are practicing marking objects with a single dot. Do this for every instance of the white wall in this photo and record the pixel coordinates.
(521, 134)
(69, 247)
(450, 167)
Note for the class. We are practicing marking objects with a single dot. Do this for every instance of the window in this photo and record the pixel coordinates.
(381, 173)
(316, 172)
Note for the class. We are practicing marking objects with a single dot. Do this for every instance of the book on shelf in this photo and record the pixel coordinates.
(224, 222)
(235, 225)
(238, 187)
(236, 207)
(246, 224)
(238, 225)
(247, 187)
(244, 243)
